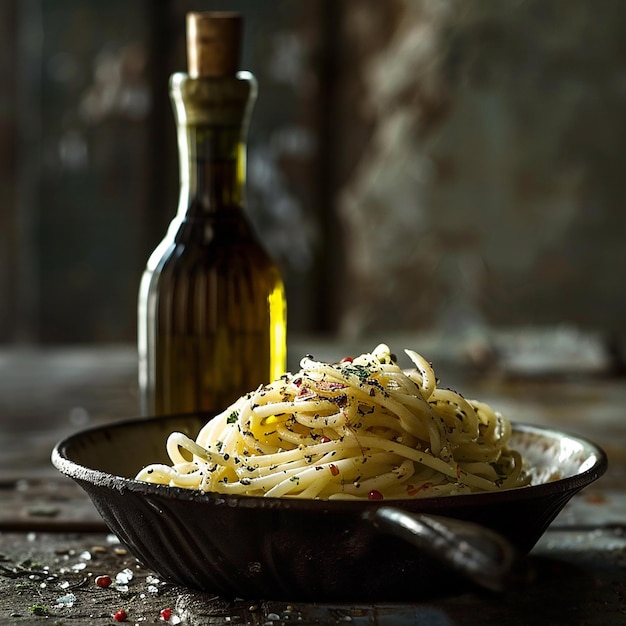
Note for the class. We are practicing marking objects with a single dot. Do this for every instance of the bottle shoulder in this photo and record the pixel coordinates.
(210, 242)
(221, 230)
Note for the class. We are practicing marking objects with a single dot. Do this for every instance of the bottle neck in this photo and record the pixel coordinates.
(212, 119)
(212, 168)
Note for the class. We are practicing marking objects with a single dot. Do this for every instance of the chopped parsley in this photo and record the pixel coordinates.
(360, 371)
(39, 609)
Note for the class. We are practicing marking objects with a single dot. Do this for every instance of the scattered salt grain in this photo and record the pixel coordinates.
(124, 577)
(66, 601)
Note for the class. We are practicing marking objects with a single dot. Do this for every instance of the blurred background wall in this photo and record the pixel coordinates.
(413, 164)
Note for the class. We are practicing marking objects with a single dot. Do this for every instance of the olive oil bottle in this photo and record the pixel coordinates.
(212, 310)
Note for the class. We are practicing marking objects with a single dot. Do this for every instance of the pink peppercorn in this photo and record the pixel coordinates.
(103, 581)
(120, 616)
(165, 614)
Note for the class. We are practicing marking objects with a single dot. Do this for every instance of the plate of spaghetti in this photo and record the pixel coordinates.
(313, 486)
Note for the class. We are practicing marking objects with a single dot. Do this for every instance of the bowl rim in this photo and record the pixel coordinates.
(81, 473)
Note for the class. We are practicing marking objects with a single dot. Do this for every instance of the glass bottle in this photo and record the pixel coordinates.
(212, 310)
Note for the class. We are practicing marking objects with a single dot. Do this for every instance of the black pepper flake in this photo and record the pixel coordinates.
(340, 401)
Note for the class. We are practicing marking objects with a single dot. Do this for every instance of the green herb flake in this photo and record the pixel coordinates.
(232, 418)
(38, 609)
(360, 371)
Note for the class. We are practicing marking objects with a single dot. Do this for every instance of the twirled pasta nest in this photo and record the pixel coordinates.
(361, 428)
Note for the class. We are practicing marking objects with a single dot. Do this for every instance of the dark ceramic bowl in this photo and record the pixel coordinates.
(316, 550)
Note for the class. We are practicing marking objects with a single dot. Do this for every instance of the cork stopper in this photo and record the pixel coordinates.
(213, 43)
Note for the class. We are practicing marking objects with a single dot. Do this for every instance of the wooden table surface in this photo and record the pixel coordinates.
(53, 544)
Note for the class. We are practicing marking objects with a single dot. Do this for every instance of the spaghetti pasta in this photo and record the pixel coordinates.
(362, 428)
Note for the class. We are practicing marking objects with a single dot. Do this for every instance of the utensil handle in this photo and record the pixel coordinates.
(478, 553)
